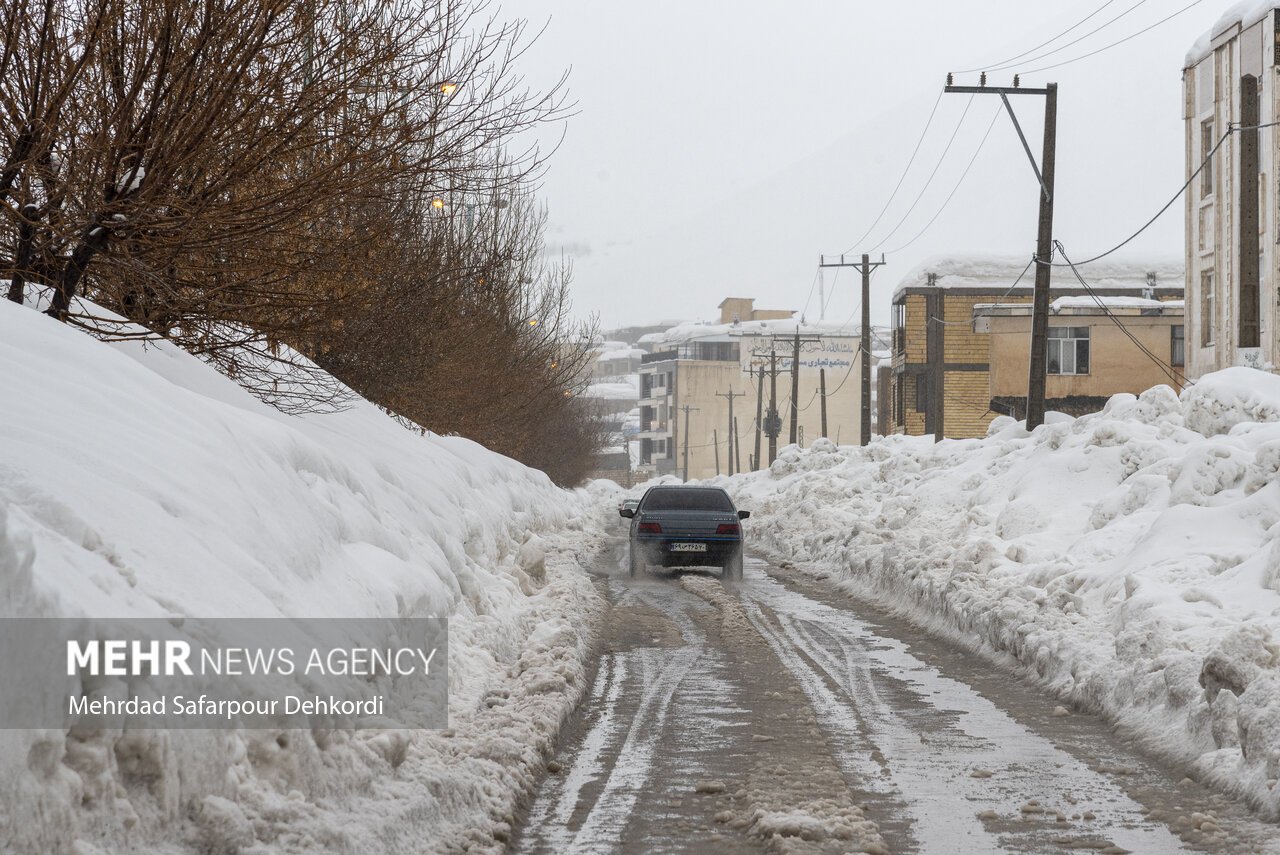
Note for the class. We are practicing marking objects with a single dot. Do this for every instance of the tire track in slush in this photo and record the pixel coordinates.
(659, 673)
(934, 733)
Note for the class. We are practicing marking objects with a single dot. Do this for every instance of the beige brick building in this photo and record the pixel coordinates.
(941, 371)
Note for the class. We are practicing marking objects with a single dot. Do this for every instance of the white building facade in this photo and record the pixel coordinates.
(1229, 87)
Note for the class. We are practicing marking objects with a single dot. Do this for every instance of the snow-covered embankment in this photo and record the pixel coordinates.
(136, 481)
(1129, 559)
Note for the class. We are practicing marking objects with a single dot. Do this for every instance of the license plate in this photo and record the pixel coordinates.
(688, 547)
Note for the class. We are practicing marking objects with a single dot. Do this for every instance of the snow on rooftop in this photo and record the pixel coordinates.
(620, 391)
(705, 331)
(1087, 302)
(621, 353)
(1245, 13)
(1001, 271)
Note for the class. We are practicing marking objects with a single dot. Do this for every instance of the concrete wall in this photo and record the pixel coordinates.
(1115, 363)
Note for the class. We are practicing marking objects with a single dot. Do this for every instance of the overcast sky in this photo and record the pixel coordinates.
(721, 146)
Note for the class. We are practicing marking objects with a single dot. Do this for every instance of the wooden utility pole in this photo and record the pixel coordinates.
(730, 395)
(775, 423)
(755, 460)
(822, 390)
(715, 444)
(797, 340)
(1044, 232)
(795, 387)
(864, 341)
(737, 445)
(687, 409)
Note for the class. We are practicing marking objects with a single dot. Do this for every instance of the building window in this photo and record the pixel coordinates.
(899, 323)
(1208, 309)
(1177, 345)
(1206, 145)
(1068, 350)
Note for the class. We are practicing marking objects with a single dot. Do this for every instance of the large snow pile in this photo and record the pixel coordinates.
(1129, 559)
(137, 482)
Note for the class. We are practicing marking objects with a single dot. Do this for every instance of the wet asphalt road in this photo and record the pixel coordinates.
(776, 715)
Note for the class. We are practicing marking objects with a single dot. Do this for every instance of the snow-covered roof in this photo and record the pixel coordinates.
(1245, 13)
(708, 332)
(1001, 271)
(1087, 302)
(624, 391)
(627, 353)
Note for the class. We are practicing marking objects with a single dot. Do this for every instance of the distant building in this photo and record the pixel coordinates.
(699, 365)
(1090, 358)
(1229, 83)
(941, 369)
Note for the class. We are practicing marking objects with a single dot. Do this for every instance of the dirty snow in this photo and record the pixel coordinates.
(1129, 560)
(137, 482)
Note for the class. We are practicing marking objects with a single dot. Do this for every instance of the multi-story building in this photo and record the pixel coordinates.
(941, 380)
(686, 384)
(1229, 88)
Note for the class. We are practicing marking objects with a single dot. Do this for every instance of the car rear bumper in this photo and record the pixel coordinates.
(659, 550)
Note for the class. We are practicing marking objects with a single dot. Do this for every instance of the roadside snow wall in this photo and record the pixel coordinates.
(1129, 559)
(136, 481)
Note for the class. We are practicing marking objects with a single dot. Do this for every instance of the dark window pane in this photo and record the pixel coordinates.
(1082, 355)
(1055, 357)
(687, 498)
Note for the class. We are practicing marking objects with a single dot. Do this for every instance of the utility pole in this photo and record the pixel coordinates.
(864, 342)
(730, 395)
(822, 390)
(775, 423)
(797, 340)
(755, 461)
(1044, 232)
(715, 443)
(737, 445)
(687, 409)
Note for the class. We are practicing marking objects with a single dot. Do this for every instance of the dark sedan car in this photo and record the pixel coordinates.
(678, 526)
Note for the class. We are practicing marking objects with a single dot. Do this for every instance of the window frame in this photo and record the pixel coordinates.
(1076, 353)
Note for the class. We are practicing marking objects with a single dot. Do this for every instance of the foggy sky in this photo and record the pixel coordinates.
(720, 147)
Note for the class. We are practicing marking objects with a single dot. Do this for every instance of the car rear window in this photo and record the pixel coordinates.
(687, 499)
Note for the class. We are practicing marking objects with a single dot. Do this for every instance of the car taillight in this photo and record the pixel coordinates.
(727, 528)
(651, 528)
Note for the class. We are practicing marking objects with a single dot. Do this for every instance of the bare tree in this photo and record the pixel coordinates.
(190, 163)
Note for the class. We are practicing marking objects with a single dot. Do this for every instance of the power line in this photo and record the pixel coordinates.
(929, 180)
(963, 175)
(1167, 369)
(902, 177)
(1005, 62)
(1075, 41)
(994, 305)
(1175, 198)
(1116, 43)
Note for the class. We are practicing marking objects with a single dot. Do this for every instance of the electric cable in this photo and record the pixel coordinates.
(932, 175)
(1114, 44)
(1075, 41)
(1012, 59)
(902, 177)
(1167, 205)
(951, 195)
(1165, 368)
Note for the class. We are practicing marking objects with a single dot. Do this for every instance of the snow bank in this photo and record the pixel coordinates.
(1129, 559)
(137, 482)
